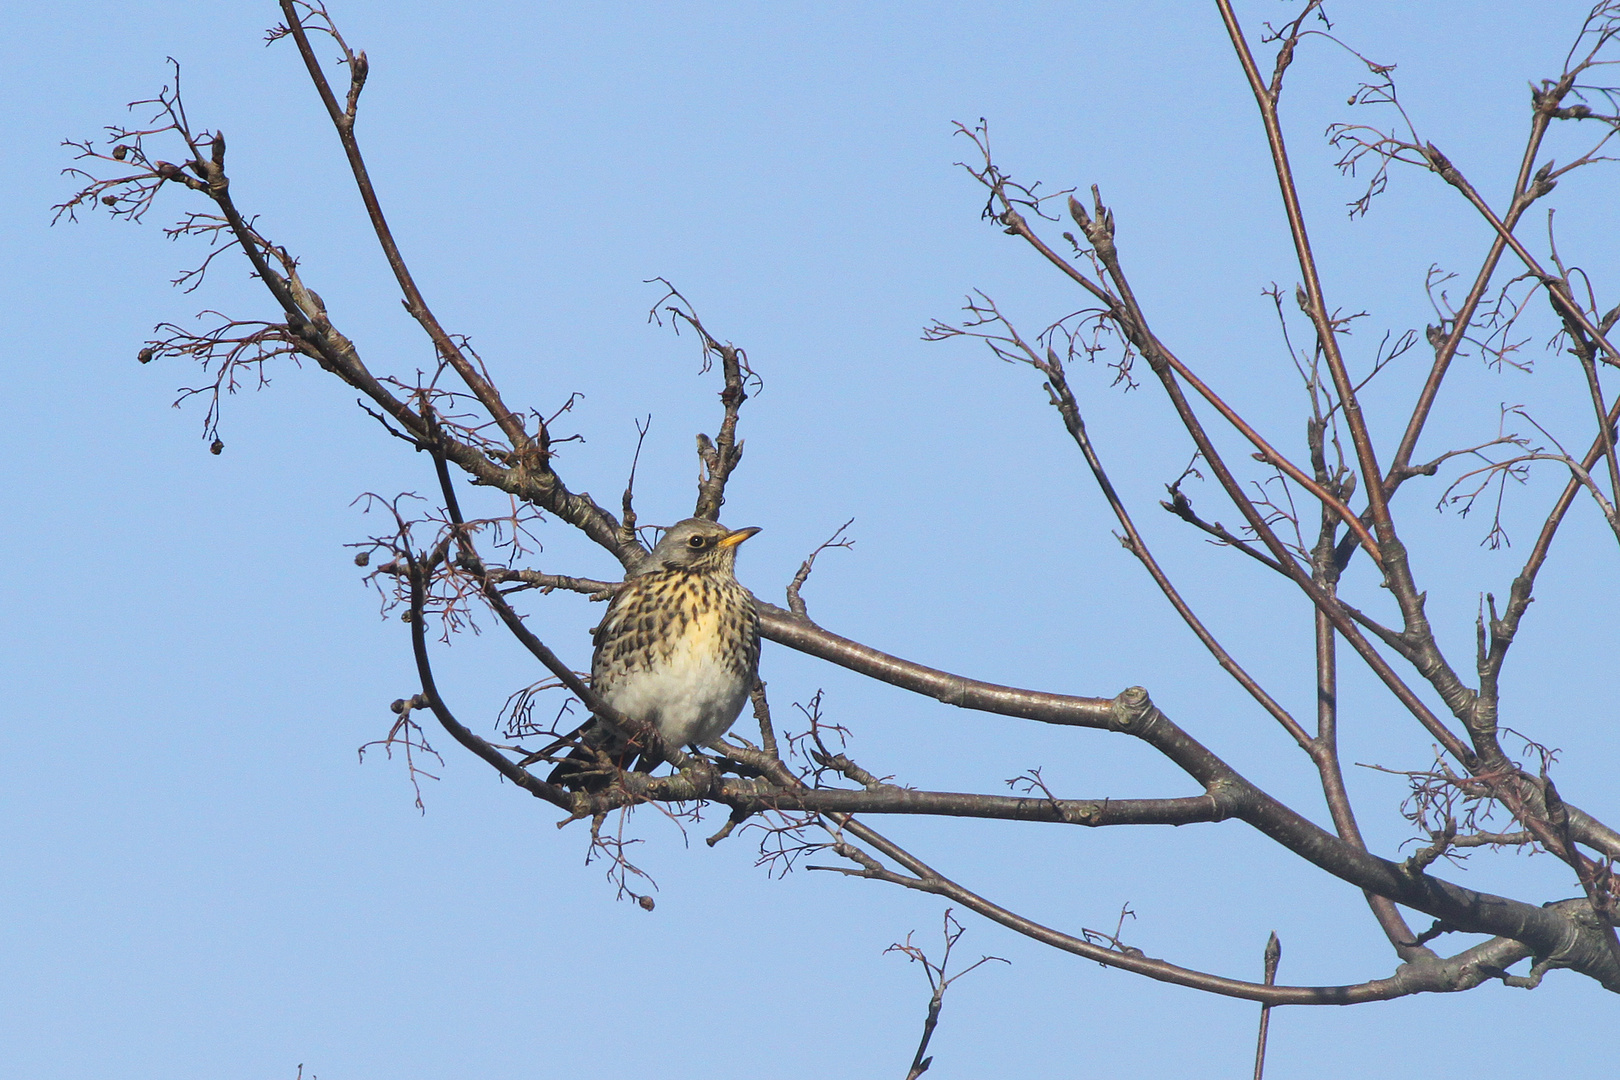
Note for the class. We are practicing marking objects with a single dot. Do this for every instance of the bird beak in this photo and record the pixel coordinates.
(733, 539)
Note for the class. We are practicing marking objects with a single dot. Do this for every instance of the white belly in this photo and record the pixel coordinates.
(688, 693)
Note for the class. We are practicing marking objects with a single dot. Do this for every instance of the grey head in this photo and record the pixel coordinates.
(696, 544)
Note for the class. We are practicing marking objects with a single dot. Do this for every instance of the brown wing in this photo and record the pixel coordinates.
(616, 636)
(741, 607)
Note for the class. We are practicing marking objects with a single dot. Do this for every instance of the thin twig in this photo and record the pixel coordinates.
(1273, 955)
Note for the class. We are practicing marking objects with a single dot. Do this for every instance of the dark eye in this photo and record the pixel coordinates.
(697, 541)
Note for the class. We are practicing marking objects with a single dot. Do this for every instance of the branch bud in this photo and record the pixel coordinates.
(1078, 212)
(1104, 216)
(1442, 165)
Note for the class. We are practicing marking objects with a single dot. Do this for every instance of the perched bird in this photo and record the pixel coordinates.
(678, 648)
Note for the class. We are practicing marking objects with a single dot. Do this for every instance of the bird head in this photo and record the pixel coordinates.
(697, 544)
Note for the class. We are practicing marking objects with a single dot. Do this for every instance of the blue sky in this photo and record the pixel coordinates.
(200, 879)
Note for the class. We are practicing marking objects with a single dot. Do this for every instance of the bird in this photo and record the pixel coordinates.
(678, 648)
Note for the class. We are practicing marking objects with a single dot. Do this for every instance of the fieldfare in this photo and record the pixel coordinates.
(678, 648)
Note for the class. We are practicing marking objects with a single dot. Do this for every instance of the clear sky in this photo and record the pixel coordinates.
(200, 881)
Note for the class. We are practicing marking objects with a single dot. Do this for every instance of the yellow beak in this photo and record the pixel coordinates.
(733, 539)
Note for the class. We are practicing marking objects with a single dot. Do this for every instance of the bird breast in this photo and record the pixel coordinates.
(678, 649)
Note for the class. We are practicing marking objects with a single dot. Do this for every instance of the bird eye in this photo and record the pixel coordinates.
(697, 541)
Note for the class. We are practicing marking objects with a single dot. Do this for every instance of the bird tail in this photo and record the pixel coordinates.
(584, 769)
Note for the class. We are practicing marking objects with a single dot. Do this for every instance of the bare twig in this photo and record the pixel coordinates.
(720, 455)
(836, 540)
(938, 983)
(1273, 955)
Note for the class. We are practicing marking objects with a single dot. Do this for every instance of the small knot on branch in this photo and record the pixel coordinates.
(1130, 709)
